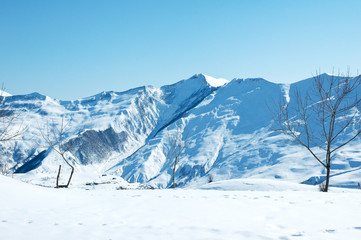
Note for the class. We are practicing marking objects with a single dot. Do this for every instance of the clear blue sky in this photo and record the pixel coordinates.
(74, 49)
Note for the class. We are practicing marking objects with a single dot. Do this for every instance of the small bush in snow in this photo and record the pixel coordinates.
(210, 178)
(322, 187)
(4, 169)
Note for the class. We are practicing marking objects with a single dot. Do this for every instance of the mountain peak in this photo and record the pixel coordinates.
(256, 81)
(4, 94)
(213, 82)
(331, 75)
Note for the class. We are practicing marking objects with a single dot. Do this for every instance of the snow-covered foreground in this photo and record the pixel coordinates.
(33, 212)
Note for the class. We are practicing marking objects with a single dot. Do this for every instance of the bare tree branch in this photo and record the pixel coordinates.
(9, 129)
(176, 144)
(318, 120)
(55, 139)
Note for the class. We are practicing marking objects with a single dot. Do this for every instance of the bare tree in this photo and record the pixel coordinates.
(326, 116)
(175, 147)
(8, 129)
(4, 168)
(55, 139)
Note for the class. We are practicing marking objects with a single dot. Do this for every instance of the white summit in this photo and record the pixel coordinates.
(4, 94)
(215, 82)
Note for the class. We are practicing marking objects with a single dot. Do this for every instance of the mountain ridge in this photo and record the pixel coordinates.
(229, 128)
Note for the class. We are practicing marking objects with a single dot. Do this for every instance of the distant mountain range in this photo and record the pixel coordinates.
(227, 124)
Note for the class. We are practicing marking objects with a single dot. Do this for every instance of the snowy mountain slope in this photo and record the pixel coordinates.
(226, 135)
(85, 117)
(103, 128)
(230, 136)
(182, 96)
(228, 127)
(208, 126)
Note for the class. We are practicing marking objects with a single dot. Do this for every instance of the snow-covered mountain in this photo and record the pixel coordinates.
(228, 127)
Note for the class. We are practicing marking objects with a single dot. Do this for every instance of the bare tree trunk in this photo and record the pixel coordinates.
(328, 169)
(57, 178)
(71, 175)
(72, 169)
(327, 178)
(174, 176)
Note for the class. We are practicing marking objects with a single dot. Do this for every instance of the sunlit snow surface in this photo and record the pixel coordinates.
(230, 212)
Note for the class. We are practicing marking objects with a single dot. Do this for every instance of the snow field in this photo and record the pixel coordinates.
(32, 212)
